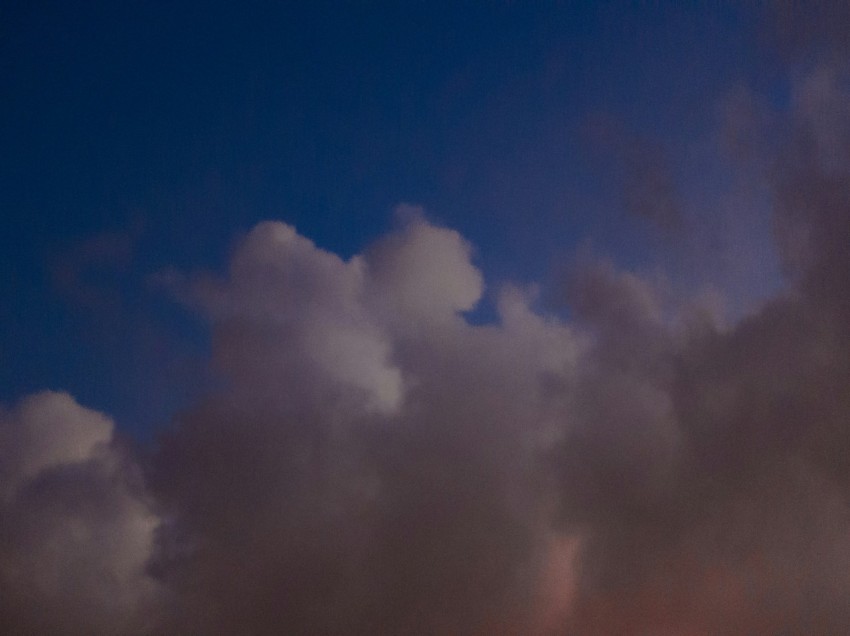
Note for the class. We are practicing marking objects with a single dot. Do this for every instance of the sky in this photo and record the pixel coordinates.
(424, 318)
(142, 138)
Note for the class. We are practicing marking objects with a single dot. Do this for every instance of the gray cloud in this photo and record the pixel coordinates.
(76, 531)
(816, 30)
(370, 462)
(720, 489)
(369, 467)
(642, 468)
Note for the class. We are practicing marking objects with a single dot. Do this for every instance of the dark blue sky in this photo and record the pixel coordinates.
(140, 136)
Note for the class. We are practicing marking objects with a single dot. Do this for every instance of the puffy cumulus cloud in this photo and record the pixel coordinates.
(640, 468)
(372, 463)
(75, 529)
(423, 273)
(290, 325)
(369, 466)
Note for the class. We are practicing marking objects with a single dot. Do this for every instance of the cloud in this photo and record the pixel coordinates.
(374, 463)
(369, 465)
(76, 530)
(84, 272)
(820, 31)
(642, 171)
(423, 273)
(703, 464)
(370, 462)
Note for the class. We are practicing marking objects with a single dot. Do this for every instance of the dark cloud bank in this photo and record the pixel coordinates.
(375, 464)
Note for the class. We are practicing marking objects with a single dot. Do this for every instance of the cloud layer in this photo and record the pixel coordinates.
(372, 462)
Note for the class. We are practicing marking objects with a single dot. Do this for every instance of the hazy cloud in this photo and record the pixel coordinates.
(720, 501)
(641, 169)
